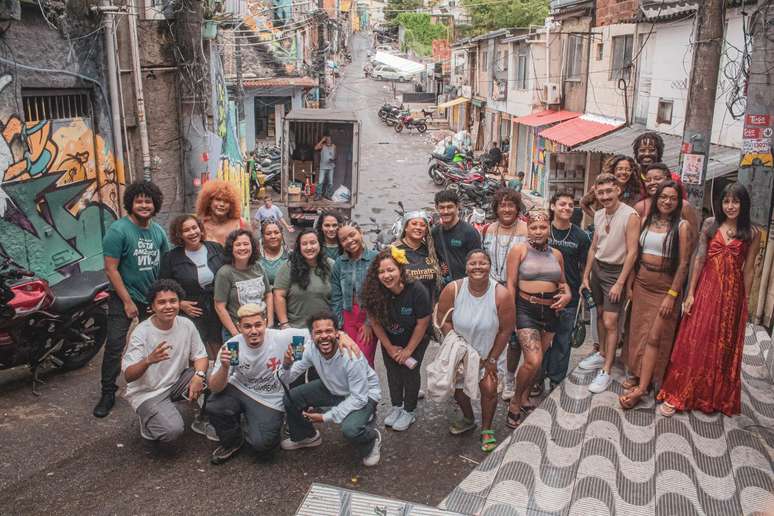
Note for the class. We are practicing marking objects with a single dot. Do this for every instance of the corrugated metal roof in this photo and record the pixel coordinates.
(723, 160)
(324, 500)
(659, 10)
(331, 115)
(581, 129)
(545, 117)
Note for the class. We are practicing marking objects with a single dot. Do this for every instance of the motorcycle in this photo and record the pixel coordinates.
(409, 122)
(63, 325)
(440, 161)
(265, 168)
(385, 238)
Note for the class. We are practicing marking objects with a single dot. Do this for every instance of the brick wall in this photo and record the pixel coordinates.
(610, 12)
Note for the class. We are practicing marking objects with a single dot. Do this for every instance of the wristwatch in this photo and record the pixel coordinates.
(201, 374)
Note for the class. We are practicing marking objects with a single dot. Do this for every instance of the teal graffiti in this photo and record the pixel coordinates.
(51, 238)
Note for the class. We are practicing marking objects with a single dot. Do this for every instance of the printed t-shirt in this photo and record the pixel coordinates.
(256, 374)
(237, 288)
(406, 308)
(453, 245)
(138, 251)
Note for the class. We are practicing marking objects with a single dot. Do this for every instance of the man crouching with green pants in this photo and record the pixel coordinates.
(348, 385)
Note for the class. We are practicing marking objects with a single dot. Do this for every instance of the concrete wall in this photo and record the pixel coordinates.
(574, 90)
(60, 185)
(603, 96)
(671, 66)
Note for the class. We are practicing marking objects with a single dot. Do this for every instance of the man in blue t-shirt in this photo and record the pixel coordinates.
(132, 247)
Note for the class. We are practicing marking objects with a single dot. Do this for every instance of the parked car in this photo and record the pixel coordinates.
(388, 73)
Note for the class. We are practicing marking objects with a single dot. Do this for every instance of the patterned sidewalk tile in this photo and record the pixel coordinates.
(581, 454)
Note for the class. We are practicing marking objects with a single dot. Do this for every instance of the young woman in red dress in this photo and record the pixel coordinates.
(704, 371)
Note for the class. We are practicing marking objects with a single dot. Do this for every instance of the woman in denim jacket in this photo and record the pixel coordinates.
(347, 279)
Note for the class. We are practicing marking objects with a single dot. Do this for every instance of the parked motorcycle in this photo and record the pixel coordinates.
(438, 161)
(63, 326)
(409, 122)
(265, 168)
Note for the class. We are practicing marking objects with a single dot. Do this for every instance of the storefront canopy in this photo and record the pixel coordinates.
(545, 117)
(452, 103)
(722, 160)
(582, 129)
(400, 64)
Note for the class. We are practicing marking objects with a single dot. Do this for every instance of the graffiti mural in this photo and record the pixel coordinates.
(59, 191)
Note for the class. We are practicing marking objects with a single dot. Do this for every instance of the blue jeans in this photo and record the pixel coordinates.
(557, 358)
(325, 181)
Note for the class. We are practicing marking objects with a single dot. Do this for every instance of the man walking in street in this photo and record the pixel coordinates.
(327, 167)
(347, 385)
(453, 238)
(574, 245)
(610, 261)
(133, 246)
(157, 364)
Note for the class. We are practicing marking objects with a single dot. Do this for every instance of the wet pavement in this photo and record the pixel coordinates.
(58, 459)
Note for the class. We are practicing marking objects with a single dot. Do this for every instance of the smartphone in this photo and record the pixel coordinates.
(298, 347)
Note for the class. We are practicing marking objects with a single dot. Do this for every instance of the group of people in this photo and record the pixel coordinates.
(261, 334)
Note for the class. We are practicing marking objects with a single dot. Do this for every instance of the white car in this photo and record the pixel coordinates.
(388, 73)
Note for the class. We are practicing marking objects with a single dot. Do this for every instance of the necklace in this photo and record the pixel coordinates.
(608, 220)
(500, 266)
(569, 230)
(538, 247)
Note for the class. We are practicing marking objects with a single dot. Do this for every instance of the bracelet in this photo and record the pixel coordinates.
(673, 293)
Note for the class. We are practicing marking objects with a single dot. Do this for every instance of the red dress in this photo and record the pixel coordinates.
(704, 371)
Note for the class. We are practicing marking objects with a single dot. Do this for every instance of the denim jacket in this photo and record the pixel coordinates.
(348, 276)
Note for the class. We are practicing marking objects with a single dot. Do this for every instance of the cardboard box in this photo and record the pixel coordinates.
(302, 170)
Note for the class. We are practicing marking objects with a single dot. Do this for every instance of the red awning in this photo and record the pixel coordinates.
(578, 130)
(281, 82)
(545, 117)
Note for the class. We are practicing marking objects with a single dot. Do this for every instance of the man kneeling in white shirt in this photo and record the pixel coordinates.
(348, 385)
(158, 358)
(252, 388)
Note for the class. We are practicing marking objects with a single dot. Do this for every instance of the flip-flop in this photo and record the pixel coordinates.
(518, 418)
(666, 410)
(630, 383)
(631, 399)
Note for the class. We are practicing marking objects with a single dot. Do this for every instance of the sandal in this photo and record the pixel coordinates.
(537, 390)
(488, 441)
(630, 383)
(631, 399)
(462, 425)
(666, 410)
(517, 419)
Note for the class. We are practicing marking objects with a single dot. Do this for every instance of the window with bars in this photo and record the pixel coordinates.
(574, 57)
(622, 57)
(57, 104)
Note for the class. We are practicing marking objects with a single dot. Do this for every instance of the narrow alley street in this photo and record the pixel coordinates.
(59, 459)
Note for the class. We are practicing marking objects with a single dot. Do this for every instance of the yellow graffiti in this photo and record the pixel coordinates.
(236, 174)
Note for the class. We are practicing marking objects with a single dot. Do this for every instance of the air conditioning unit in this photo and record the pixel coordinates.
(551, 93)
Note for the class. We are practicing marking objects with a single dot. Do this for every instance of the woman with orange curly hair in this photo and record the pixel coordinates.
(220, 209)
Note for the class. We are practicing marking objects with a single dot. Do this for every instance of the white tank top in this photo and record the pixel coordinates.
(475, 318)
(498, 248)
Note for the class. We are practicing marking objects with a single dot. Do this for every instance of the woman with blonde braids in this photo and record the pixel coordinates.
(537, 284)
(416, 241)
(399, 312)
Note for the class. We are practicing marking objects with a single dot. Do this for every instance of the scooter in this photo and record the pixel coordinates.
(63, 325)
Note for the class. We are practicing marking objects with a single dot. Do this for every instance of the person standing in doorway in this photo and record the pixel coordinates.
(327, 167)
(611, 259)
(453, 238)
(269, 212)
(133, 246)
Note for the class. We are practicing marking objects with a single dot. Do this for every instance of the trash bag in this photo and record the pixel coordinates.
(342, 194)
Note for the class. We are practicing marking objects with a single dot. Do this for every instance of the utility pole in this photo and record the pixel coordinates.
(239, 89)
(142, 122)
(756, 170)
(322, 52)
(702, 86)
(108, 11)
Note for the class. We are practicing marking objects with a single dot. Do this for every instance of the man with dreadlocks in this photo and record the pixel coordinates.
(648, 149)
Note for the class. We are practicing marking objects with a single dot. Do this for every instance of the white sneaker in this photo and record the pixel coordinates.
(601, 382)
(508, 392)
(404, 421)
(373, 458)
(393, 416)
(593, 361)
(309, 442)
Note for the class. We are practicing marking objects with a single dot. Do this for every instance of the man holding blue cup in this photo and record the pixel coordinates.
(245, 383)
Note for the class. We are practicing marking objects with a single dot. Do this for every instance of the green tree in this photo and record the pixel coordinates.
(396, 7)
(514, 13)
(420, 32)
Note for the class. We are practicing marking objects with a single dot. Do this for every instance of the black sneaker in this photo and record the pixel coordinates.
(222, 453)
(105, 405)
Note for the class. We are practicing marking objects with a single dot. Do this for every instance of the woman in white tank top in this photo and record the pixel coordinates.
(480, 311)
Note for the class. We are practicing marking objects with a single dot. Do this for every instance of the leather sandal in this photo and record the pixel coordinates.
(631, 399)
(630, 383)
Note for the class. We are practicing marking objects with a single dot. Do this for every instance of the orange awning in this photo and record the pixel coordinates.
(579, 130)
(545, 117)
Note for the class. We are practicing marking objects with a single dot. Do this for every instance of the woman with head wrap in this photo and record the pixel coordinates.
(416, 242)
(537, 284)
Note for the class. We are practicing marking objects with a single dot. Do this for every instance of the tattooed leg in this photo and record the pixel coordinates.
(532, 348)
